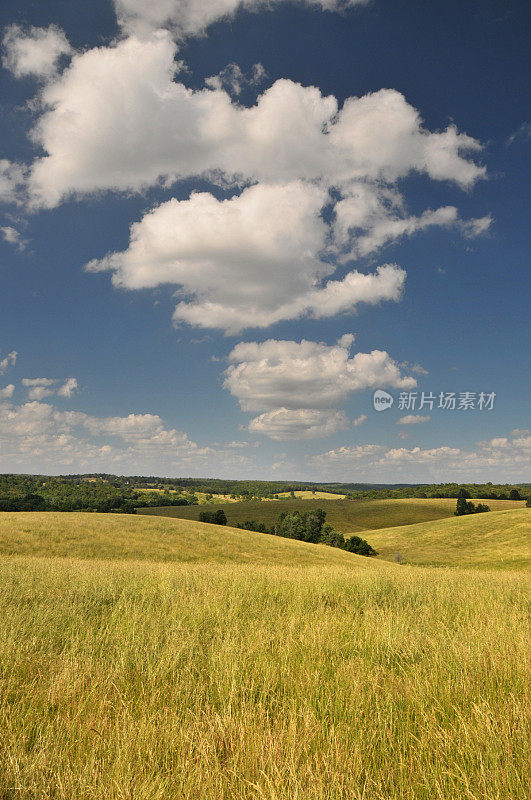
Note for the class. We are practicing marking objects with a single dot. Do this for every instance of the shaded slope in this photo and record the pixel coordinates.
(347, 516)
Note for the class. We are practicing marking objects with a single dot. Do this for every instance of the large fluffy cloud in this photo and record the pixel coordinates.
(248, 261)
(275, 374)
(298, 384)
(187, 17)
(117, 120)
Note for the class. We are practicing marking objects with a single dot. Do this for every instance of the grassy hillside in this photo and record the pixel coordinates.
(158, 659)
(316, 495)
(497, 539)
(124, 536)
(347, 516)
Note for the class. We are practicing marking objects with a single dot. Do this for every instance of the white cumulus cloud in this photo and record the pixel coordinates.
(249, 261)
(68, 389)
(300, 423)
(192, 17)
(284, 379)
(500, 458)
(275, 374)
(117, 120)
(34, 52)
(37, 437)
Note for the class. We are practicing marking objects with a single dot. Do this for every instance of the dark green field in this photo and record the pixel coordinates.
(346, 516)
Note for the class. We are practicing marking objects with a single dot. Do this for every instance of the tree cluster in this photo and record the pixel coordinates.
(214, 517)
(465, 506)
(310, 527)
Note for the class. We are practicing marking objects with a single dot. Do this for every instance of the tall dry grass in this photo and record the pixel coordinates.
(152, 681)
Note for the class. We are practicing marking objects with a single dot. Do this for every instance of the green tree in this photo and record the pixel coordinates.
(461, 508)
(359, 546)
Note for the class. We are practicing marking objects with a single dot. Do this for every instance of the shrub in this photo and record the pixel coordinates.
(220, 517)
(213, 517)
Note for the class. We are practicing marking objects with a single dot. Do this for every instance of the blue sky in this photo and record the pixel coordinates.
(272, 161)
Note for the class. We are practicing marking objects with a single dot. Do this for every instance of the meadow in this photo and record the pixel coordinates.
(307, 494)
(346, 516)
(158, 659)
(499, 539)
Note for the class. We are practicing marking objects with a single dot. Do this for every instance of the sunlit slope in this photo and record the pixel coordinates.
(307, 494)
(347, 516)
(498, 539)
(124, 536)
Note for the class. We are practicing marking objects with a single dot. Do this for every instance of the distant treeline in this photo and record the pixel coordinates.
(487, 491)
(40, 493)
(105, 492)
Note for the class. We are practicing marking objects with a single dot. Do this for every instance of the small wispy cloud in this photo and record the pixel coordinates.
(12, 236)
(9, 360)
(413, 419)
(39, 388)
(522, 134)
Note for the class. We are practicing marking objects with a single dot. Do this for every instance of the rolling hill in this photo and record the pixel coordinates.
(346, 516)
(130, 537)
(499, 539)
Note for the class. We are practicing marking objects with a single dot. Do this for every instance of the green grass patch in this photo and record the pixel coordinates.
(346, 516)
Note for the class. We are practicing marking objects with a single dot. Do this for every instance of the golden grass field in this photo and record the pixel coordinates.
(306, 494)
(158, 659)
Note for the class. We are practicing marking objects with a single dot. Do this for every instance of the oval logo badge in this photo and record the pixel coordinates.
(382, 400)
